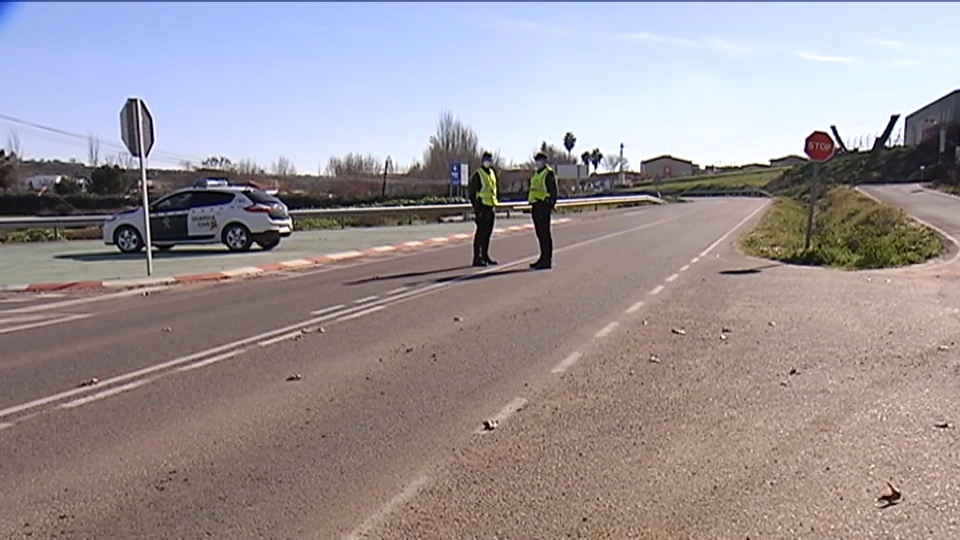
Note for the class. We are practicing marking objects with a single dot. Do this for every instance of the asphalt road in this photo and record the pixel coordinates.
(933, 207)
(194, 431)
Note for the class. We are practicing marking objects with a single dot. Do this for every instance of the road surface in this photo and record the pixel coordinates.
(933, 207)
(194, 430)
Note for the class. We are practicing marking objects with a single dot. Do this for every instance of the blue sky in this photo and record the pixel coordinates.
(714, 83)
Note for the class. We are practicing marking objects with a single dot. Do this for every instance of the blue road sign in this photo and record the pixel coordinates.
(455, 174)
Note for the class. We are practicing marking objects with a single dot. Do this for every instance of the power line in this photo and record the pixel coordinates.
(171, 157)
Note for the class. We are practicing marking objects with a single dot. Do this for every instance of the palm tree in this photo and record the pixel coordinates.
(569, 141)
(596, 156)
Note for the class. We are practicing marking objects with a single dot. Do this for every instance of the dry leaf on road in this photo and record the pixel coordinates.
(679, 331)
(890, 498)
(295, 377)
(89, 382)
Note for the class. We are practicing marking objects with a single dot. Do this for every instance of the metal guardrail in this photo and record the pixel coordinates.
(725, 193)
(64, 222)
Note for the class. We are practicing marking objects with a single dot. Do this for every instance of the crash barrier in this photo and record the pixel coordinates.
(433, 210)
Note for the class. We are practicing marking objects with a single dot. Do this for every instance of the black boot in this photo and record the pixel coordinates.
(542, 265)
(488, 260)
(477, 261)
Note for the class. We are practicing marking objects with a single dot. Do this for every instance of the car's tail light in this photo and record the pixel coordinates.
(259, 208)
(273, 210)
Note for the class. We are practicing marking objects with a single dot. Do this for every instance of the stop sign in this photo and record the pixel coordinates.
(819, 146)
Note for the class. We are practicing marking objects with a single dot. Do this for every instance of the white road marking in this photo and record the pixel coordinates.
(656, 290)
(506, 412)
(200, 355)
(684, 268)
(296, 263)
(345, 255)
(278, 339)
(215, 359)
(398, 290)
(694, 260)
(731, 231)
(605, 331)
(636, 307)
(15, 299)
(105, 394)
(79, 301)
(326, 310)
(5, 425)
(567, 363)
(49, 322)
(399, 499)
(24, 318)
(366, 299)
(672, 277)
(359, 314)
(249, 270)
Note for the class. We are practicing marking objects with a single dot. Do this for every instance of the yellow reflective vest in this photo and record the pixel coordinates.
(488, 187)
(538, 186)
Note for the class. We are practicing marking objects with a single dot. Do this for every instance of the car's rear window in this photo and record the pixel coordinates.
(261, 197)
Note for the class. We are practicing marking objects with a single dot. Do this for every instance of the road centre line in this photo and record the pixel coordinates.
(366, 299)
(80, 301)
(359, 314)
(288, 330)
(635, 307)
(656, 290)
(105, 394)
(684, 268)
(506, 412)
(672, 277)
(48, 322)
(326, 310)
(567, 362)
(405, 495)
(606, 330)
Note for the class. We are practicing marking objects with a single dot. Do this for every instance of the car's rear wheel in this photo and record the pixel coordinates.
(237, 237)
(128, 239)
(267, 245)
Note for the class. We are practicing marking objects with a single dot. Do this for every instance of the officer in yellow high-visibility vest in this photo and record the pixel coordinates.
(542, 196)
(482, 192)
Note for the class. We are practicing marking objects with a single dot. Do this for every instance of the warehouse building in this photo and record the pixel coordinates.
(925, 123)
(667, 166)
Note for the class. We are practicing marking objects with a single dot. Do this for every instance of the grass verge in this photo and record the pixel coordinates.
(851, 231)
(729, 181)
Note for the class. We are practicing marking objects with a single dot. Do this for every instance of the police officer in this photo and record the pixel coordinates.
(482, 192)
(542, 196)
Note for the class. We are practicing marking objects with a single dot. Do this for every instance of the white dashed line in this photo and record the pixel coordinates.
(656, 290)
(634, 308)
(39, 324)
(672, 277)
(5, 425)
(694, 260)
(398, 290)
(566, 363)
(399, 499)
(359, 314)
(326, 310)
(105, 394)
(275, 340)
(366, 299)
(684, 268)
(606, 330)
(509, 410)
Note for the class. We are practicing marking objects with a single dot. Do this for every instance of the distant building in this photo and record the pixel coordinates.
(38, 182)
(925, 123)
(788, 161)
(667, 166)
(754, 167)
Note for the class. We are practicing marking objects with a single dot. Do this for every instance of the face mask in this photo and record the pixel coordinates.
(541, 164)
(488, 164)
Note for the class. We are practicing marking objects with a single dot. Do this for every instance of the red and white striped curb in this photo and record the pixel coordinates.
(260, 269)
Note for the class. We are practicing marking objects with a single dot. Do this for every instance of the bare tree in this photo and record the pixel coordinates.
(454, 141)
(612, 163)
(555, 156)
(93, 150)
(14, 145)
(124, 160)
(353, 164)
(248, 166)
(283, 167)
(7, 170)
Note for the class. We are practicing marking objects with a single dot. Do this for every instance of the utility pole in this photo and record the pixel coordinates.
(622, 175)
(386, 168)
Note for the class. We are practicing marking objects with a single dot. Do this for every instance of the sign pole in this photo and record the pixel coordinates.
(143, 191)
(811, 207)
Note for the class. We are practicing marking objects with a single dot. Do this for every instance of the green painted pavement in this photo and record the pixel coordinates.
(59, 262)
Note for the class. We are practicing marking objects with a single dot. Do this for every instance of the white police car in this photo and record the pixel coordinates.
(210, 212)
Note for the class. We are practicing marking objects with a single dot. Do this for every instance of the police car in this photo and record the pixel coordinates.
(210, 212)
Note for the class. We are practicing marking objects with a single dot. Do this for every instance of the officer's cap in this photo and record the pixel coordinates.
(540, 155)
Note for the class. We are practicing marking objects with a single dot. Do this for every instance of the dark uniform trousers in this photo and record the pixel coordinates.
(541, 224)
(484, 217)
